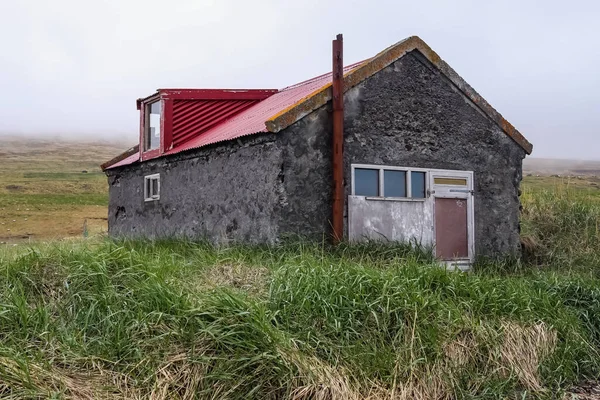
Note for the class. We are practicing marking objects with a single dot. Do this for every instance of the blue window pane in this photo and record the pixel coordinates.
(417, 184)
(366, 182)
(394, 183)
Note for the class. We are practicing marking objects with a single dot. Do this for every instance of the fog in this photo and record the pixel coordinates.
(75, 68)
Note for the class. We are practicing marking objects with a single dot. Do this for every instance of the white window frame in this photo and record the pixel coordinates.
(148, 184)
(146, 128)
(382, 168)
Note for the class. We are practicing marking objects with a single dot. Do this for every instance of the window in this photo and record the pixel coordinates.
(394, 182)
(366, 182)
(152, 128)
(152, 187)
(417, 184)
(450, 181)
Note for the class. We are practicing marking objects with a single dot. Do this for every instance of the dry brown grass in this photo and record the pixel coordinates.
(319, 380)
(520, 353)
(23, 224)
(43, 193)
(251, 279)
(523, 349)
(97, 383)
(461, 351)
(584, 391)
(179, 378)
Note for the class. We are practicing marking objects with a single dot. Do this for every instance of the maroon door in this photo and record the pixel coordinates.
(451, 234)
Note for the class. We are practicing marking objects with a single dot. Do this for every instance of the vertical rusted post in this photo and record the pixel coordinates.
(338, 139)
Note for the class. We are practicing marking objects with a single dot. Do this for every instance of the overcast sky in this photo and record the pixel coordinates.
(75, 67)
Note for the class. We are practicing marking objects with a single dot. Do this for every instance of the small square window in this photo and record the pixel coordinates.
(366, 182)
(394, 183)
(152, 187)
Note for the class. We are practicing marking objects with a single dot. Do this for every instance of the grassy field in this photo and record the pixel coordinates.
(44, 193)
(102, 319)
(95, 318)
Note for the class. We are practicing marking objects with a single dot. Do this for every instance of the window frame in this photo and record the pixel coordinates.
(147, 186)
(166, 117)
(381, 169)
(147, 140)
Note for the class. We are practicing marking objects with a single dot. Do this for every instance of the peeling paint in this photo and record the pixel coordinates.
(390, 220)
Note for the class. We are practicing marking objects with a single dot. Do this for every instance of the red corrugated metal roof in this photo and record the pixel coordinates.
(247, 122)
(253, 119)
(126, 161)
(192, 118)
(276, 110)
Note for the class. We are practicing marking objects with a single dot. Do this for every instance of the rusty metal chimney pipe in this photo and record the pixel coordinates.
(338, 139)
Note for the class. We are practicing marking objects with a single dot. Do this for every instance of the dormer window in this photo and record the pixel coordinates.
(170, 118)
(152, 130)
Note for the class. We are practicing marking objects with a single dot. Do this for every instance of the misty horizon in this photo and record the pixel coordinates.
(75, 70)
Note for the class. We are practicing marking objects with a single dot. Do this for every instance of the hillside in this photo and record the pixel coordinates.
(551, 166)
(177, 320)
(52, 188)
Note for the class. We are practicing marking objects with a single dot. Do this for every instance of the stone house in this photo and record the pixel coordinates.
(424, 158)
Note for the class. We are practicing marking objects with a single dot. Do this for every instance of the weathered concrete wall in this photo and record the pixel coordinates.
(307, 176)
(226, 192)
(265, 187)
(256, 189)
(410, 115)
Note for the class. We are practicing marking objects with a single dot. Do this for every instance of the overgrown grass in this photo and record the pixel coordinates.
(128, 319)
(561, 228)
(135, 319)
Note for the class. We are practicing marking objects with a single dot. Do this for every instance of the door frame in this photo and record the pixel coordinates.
(456, 192)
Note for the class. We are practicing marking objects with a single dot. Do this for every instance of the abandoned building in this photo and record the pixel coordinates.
(397, 147)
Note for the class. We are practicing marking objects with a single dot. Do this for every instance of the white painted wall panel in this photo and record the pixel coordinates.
(391, 220)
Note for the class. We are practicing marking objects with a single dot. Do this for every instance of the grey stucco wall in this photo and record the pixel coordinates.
(257, 189)
(264, 187)
(410, 115)
(223, 192)
(307, 176)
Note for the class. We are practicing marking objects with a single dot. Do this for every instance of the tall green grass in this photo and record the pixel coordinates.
(128, 319)
(131, 319)
(562, 226)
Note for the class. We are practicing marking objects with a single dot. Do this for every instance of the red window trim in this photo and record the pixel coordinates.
(166, 137)
(166, 126)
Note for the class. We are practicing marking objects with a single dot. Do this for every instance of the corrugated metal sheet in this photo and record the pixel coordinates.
(129, 160)
(200, 123)
(253, 119)
(194, 117)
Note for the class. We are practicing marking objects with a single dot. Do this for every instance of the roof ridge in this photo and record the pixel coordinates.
(386, 57)
(286, 106)
(316, 78)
